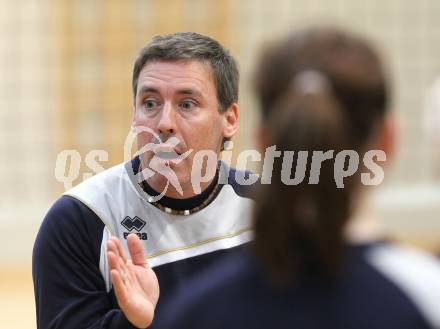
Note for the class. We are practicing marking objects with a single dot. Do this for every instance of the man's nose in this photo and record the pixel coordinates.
(167, 121)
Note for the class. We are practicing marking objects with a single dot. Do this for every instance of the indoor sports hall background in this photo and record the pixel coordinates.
(65, 84)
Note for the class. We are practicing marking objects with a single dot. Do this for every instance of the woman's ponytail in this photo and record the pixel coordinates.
(299, 227)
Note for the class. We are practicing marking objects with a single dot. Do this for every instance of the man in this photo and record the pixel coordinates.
(185, 211)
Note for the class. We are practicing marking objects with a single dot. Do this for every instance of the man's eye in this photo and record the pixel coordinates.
(187, 105)
(150, 104)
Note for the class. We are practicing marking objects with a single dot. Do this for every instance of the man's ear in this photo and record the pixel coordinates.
(230, 121)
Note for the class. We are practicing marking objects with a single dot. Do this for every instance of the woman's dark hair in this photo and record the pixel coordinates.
(320, 90)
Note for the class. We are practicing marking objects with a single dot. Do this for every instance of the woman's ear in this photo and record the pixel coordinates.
(387, 139)
(262, 139)
(230, 122)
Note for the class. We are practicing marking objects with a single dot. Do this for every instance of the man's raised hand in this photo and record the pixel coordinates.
(134, 282)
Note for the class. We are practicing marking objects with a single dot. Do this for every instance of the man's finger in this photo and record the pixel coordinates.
(116, 262)
(112, 260)
(136, 250)
(119, 287)
(119, 248)
(111, 247)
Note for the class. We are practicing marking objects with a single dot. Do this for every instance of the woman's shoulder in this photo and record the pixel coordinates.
(415, 272)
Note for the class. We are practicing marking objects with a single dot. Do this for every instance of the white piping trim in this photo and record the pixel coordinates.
(201, 248)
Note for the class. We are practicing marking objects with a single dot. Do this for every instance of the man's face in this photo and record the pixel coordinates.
(177, 100)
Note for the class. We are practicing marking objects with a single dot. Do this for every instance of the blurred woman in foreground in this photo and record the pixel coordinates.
(320, 90)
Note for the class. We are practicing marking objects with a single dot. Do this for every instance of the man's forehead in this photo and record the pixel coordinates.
(161, 76)
(177, 69)
(150, 88)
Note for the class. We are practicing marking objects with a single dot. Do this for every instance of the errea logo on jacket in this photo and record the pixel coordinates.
(135, 223)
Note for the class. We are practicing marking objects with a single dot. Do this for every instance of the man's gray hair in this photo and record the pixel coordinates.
(190, 45)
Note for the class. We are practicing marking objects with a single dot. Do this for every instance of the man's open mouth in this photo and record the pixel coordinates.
(167, 155)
